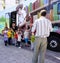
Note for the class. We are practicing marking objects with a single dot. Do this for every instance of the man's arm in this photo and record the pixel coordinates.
(22, 23)
(50, 26)
(34, 27)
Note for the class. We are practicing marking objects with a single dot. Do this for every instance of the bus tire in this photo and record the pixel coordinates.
(53, 43)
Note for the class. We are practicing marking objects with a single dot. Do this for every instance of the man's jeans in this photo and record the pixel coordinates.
(39, 50)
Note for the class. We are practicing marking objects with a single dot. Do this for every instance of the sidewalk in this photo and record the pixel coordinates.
(12, 54)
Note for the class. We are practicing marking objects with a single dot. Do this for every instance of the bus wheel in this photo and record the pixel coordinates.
(54, 43)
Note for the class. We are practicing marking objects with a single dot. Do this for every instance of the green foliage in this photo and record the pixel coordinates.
(2, 19)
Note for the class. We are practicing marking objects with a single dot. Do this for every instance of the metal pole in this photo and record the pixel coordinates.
(49, 4)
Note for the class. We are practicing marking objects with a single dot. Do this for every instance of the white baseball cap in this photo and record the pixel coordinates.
(42, 11)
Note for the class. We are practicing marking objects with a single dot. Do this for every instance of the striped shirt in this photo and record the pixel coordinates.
(42, 26)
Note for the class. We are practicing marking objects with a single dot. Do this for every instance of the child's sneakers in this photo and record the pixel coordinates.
(27, 45)
(19, 47)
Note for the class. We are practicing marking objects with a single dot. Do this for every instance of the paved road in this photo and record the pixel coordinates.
(12, 54)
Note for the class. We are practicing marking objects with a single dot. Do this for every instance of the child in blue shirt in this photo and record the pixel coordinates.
(5, 36)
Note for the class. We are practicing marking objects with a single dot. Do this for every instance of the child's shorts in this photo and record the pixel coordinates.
(26, 40)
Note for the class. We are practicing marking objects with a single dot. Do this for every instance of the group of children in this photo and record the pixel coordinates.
(14, 37)
(11, 37)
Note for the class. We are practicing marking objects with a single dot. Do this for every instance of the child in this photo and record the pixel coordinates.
(32, 42)
(5, 36)
(26, 36)
(16, 37)
(9, 36)
(19, 38)
(13, 40)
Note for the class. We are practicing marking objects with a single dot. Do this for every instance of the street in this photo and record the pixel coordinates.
(12, 54)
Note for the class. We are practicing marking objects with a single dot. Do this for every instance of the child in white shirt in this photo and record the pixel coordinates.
(19, 39)
(26, 36)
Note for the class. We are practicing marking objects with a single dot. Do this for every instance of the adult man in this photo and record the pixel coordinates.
(43, 27)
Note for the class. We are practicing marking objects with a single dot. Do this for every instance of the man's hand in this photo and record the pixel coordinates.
(32, 33)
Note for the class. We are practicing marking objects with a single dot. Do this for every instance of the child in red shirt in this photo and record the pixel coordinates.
(16, 37)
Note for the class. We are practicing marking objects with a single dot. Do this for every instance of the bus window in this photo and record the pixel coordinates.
(58, 10)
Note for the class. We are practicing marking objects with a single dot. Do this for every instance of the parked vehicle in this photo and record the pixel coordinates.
(54, 38)
(53, 9)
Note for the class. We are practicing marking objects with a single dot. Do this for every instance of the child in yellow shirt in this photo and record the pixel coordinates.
(9, 36)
